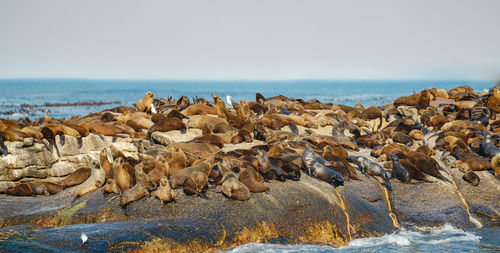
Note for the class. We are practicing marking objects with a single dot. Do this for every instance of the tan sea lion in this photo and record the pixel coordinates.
(233, 188)
(144, 104)
(111, 186)
(196, 184)
(137, 192)
(122, 178)
(94, 182)
(105, 164)
(79, 176)
(164, 192)
(199, 109)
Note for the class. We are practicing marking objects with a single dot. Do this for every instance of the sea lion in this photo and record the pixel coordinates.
(421, 100)
(488, 147)
(369, 167)
(196, 184)
(166, 125)
(122, 178)
(233, 188)
(199, 109)
(177, 162)
(178, 178)
(145, 104)
(21, 189)
(94, 182)
(210, 139)
(39, 188)
(414, 172)
(471, 178)
(111, 186)
(164, 192)
(402, 138)
(318, 170)
(253, 180)
(52, 188)
(105, 164)
(133, 194)
(79, 176)
(398, 171)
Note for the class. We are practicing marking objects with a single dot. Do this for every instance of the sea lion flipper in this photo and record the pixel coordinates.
(203, 195)
(80, 142)
(98, 134)
(293, 128)
(114, 139)
(4, 149)
(62, 139)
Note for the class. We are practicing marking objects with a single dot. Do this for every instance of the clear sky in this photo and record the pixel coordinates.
(268, 39)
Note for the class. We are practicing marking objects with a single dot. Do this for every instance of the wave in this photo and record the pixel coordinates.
(416, 239)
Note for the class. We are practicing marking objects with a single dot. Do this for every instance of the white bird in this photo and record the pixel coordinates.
(228, 100)
(153, 109)
(84, 238)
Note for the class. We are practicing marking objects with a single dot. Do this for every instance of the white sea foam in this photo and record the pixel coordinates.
(419, 238)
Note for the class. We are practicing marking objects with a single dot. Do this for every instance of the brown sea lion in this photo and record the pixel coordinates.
(471, 178)
(105, 164)
(95, 181)
(111, 186)
(164, 192)
(421, 100)
(178, 178)
(199, 109)
(414, 172)
(135, 193)
(210, 139)
(167, 125)
(196, 184)
(122, 178)
(177, 162)
(79, 176)
(253, 180)
(21, 189)
(233, 188)
(144, 104)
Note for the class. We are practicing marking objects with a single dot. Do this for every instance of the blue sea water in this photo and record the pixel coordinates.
(15, 92)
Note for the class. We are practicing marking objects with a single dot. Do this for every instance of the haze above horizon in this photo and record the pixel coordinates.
(250, 40)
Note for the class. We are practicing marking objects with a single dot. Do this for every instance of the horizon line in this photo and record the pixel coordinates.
(241, 80)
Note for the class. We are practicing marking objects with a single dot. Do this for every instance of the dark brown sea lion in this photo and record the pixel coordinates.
(471, 178)
(77, 177)
(414, 172)
(167, 125)
(52, 188)
(398, 171)
(402, 138)
(21, 189)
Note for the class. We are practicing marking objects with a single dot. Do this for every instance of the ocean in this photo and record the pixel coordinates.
(28, 98)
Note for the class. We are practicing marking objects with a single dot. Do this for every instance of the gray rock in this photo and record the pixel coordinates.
(166, 138)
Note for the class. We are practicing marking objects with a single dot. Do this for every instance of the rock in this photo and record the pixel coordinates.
(63, 168)
(22, 157)
(166, 138)
(30, 171)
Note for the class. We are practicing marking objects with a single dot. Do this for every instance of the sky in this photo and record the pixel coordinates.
(233, 39)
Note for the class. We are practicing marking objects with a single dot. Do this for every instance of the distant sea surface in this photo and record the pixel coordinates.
(27, 97)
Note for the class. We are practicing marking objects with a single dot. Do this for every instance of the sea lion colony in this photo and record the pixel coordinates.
(403, 137)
